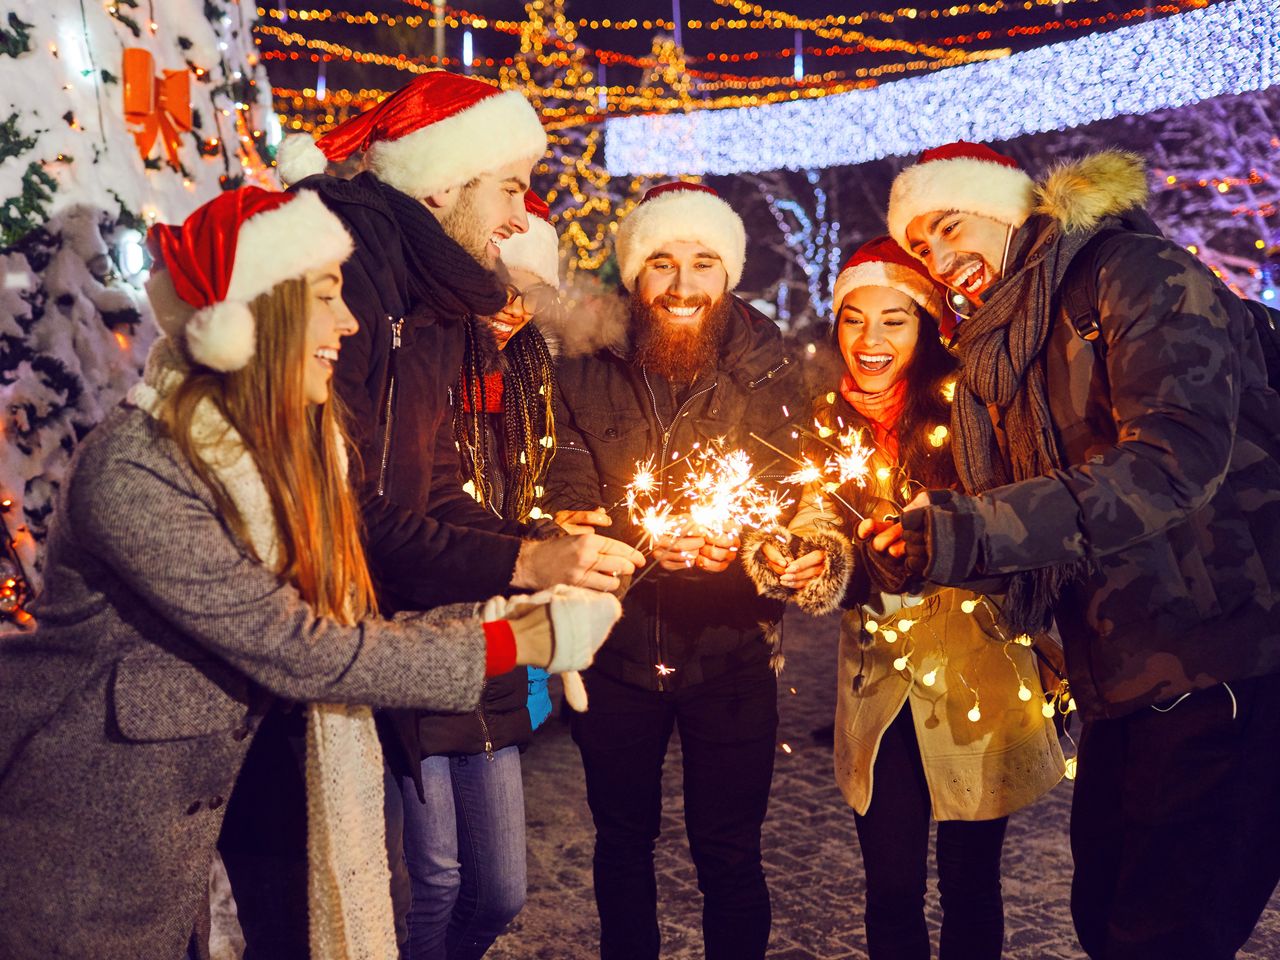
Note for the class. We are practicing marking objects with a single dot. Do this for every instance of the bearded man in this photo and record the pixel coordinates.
(693, 647)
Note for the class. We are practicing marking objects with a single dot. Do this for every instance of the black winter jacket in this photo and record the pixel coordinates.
(413, 289)
(611, 414)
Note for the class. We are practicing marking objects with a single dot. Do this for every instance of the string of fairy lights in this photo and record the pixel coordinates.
(234, 130)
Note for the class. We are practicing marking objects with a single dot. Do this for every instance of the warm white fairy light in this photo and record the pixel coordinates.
(1226, 48)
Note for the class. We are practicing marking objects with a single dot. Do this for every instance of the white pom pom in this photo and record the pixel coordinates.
(298, 157)
(221, 336)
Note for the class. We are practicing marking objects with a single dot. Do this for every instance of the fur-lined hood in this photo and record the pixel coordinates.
(1079, 194)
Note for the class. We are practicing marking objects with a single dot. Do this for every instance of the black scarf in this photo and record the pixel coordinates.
(1001, 347)
(445, 283)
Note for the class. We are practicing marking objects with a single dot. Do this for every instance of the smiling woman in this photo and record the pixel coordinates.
(329, 320)
(206, 563)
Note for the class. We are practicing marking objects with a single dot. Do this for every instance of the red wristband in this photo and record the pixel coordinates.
(500, 648)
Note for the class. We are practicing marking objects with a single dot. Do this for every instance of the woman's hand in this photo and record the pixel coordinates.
(803, 569)
(886, 534)
(583, 521)
(773, 558)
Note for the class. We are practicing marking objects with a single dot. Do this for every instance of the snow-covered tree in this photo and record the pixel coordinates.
(112, 116)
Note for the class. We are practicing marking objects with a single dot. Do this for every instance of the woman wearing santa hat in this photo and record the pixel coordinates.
(938, 714)
(205, 562)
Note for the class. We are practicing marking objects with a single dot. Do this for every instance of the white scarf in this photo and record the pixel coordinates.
(348, 881)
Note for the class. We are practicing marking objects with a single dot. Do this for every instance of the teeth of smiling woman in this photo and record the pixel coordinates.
(874, 362)
(327, 354)
(501, 327)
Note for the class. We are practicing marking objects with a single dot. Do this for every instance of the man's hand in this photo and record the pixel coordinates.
(583, 521)
(582, 560)
(678, 551)
(717, 553)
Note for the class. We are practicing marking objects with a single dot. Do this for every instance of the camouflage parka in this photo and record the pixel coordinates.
(1170, 490)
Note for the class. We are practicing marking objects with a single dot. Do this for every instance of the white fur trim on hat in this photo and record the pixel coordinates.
(895, 276)
(537, 251)
(222, 336)
(691, 215)
(966, 184)
(285, 242)
(298, 157)
(454, 151)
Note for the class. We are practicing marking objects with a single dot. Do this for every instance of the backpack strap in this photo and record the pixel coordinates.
(1078, 292)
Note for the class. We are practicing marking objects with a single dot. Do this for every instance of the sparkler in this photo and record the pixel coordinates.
(719, 494)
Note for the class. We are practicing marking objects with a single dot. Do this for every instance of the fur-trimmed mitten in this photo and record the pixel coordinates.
(820, 595)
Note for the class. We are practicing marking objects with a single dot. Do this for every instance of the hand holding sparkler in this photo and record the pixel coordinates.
(583, 521)
(794, 574)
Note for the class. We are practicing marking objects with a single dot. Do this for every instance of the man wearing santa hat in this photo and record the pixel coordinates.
(447, 162)
(1115, 436)
(702, 369)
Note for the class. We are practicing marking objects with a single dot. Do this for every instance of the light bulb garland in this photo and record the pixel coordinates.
(1230, 47)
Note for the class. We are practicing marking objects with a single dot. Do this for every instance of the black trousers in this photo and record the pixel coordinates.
(894, 836)
(727, 733)
(1175, 825)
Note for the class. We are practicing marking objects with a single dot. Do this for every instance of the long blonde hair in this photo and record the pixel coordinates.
(297, 448)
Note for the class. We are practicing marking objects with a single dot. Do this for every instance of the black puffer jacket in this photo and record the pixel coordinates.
(694, 624)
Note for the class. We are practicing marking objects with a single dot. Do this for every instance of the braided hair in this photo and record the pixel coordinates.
(528, 418)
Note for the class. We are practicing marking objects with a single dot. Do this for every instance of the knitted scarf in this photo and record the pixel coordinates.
(1001, 346)
(444, 281)
(881, 410)
(348, 879)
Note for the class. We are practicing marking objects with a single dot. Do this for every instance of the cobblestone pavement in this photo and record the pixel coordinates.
(810, 850)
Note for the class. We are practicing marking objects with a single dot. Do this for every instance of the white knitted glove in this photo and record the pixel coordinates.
(580, 621)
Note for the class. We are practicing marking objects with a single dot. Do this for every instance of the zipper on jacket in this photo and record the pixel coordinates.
(484, 725)
(659, 665)
(389, 407)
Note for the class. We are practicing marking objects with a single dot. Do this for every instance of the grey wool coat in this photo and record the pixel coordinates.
(125, 718)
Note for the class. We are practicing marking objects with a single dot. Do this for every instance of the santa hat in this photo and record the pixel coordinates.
(230, 251)
(882, 263)
(963, 176)
(680, 211)
(438, 131)
(538, 250)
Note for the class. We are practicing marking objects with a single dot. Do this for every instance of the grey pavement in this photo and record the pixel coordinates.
(810, 849)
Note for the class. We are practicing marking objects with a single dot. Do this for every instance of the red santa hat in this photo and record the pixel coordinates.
(230, 251)
(883, 263)
(963, 176)
(438, 131)
(537, 250)
(680, 211)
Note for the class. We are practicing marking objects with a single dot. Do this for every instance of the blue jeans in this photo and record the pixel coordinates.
(465, 852)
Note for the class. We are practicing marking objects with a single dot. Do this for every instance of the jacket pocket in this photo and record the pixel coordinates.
(168, 699)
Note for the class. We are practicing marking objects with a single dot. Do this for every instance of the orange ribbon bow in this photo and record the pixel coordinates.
(155, 105)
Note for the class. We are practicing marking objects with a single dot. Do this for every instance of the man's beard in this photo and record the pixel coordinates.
(465, 227)
(679, 353)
